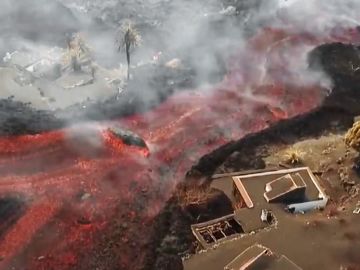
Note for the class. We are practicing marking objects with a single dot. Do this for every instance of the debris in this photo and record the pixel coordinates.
(84, 221)
(8, 56)
(156, 57)
(79, 83)
(328, 150)
(345, 178)
(357, 208)
(266, 216)
(340, 160)
(230, 10)
(333, 212)
(41, 258)
(85, 196)
(174, 63)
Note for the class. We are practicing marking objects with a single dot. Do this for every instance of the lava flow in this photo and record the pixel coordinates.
(68, 199)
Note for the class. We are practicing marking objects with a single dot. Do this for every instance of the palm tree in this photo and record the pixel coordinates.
(77, 53)
(128, 37)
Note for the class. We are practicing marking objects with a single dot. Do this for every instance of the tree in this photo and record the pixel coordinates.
(77, 52)
(128, 38)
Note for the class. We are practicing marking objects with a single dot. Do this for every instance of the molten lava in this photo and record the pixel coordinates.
(71, 197)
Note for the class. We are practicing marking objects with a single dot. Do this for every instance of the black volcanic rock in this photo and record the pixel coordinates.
(128, 137)
(167, 262)
(19, 118)
(342, 63)
(340, 106)
(11, 208)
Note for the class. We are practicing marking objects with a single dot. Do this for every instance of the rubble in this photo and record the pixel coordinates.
(83, 220)
(266, 216)
(357, 208)
(85, 196)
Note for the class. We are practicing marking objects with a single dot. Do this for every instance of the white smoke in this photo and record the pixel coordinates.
(318, 16)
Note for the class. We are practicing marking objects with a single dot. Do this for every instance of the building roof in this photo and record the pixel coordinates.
(270, 191)
(258, 257)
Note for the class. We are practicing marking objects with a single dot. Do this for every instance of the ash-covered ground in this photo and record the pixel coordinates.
(41, 91)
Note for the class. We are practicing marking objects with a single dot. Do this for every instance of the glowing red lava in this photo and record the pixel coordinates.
(71, 198)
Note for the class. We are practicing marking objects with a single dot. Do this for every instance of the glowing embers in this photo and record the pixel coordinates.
(209, 233)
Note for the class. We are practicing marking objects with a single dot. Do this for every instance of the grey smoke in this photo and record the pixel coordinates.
(203, 34)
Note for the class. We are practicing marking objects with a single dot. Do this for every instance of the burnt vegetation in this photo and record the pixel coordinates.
(352, 139)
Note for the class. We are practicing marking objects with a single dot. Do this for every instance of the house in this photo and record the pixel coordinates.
(259, 201)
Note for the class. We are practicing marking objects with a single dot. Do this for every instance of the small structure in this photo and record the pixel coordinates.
(215, 231)
(357, 208)
(258, 257)
(297, 189)
(286, 188)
